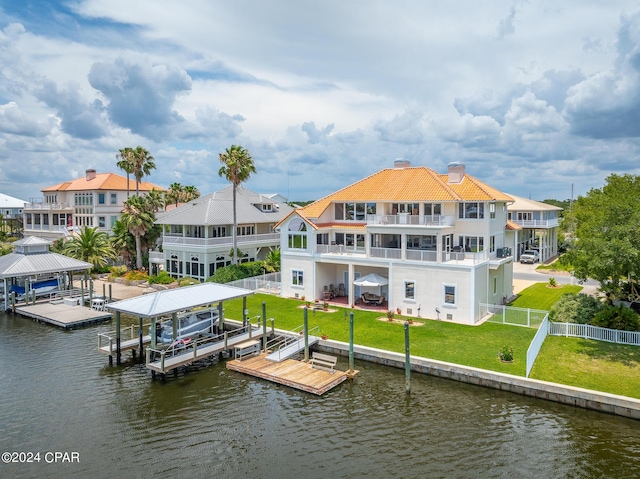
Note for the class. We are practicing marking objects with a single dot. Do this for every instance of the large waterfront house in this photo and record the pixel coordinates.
(11, 214)
(539, 224)
(96, 199)
(442, 243)
(197, 236)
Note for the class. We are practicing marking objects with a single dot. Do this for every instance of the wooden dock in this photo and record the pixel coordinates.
(290, 372)
(63, 315)
(125, 345)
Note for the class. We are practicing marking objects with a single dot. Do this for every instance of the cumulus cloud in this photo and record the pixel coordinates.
(315, 135)
(79, 118)
(141, 95)
(406, 128)
(15, 121)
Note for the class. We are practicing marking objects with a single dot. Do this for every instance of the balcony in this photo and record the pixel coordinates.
(340, 250)
(48, 207)
(537, 223)
(227, 241)
(386, 253)
(410, 220)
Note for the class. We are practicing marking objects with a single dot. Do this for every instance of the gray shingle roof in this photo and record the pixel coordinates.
(179, 299)
(217, 209)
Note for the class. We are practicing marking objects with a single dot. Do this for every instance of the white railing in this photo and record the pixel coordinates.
(537, 223)
(407, 219)
(587, 331)
(422, 255)
(267, 283)
(339, 249)
(41, 227)
(460, 257)
(47, 206)
(527, 317)
(169, 240)
(386, 253)
(536, 344)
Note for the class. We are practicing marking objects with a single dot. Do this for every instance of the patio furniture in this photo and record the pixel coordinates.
(341, 290)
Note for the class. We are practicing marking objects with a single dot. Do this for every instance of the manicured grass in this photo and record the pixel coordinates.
(540, 296)
(475, 346)
(597, 365)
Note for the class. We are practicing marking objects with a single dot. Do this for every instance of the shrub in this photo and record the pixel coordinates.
(162, 278)
(390, 314)
(117, 272)
(187, 281)
(617, 317)
(552, 282)
(235, 272)
(506, 353)
(136, 275)
(575, 308)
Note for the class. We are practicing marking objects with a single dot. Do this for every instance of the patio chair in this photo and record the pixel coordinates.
(341, 290)
(380, 300)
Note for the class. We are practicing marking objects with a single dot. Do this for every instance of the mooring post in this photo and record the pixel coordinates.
(244, 311)
(305, 329)
(407, 358)
(221, 316)
(104, 294)
(13, 302)
(82, 292)
(90, 293)
(109, 292)
(174, 323)
(140, 336)
(118, 352)
(351, 365)
(264, 326)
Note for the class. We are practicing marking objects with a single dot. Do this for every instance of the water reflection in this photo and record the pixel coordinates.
(57, 393)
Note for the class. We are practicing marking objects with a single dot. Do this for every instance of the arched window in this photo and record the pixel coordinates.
(297, 234)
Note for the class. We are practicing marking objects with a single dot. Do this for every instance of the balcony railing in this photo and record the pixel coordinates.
(537, 223)
(422, 255)
(47, 206)
(411, 220)
(386, 253)
(169, 240)
(339, 250)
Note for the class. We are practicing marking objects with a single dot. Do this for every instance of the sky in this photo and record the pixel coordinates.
(539, 99)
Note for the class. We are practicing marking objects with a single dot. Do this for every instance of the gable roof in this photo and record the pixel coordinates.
(102, 181)
(217, 209)
(414, 184)
(7, 201)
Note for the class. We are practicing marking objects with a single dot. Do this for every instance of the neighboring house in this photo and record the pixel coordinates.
(197, 236)
(94, 200)
(441, 241)
(539, 224)
(11, 211)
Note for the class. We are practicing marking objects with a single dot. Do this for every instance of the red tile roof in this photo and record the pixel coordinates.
(102, 181)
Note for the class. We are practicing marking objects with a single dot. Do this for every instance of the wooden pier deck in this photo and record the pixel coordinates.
(63, 315)
(290, 372)
(110, 346)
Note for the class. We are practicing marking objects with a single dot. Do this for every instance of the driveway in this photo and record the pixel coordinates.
(525, 275)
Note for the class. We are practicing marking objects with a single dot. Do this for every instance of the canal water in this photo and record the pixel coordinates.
(58, 395)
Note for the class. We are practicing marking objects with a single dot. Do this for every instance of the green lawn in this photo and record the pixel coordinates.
(475, 346)
(540, 296)
(597, 365)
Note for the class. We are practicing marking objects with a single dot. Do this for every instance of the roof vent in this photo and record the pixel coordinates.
(401, 163)
(456, 172)
(90, 174)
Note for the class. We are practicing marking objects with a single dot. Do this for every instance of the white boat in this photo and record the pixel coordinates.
(190, 325)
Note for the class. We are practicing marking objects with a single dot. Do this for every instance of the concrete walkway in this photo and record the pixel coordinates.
(118, 291)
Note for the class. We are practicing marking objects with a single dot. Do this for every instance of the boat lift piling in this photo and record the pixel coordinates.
(305, 329)
(351, 368)
(407, 360)
(264, 324)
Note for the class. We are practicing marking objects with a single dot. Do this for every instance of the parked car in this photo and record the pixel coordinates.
(530, 256)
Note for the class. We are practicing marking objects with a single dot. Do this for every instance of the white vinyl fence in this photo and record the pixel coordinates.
(536, 344)
(531, 318)
(594, 332)
(265, 283)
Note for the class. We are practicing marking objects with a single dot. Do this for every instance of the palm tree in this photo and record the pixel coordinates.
(123, 243)
(237, 166)
(138, 218)
(190, 193)
(90, 245)
(142, 162)
(126, 163)
(271, 263)
(174, 194)
(156, 200)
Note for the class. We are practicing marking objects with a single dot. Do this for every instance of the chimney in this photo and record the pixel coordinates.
(456, 172)
(90, 174)
(401, 163)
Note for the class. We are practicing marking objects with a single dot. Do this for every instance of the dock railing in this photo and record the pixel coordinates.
(179, 347)
(295, 337)
(130, 333)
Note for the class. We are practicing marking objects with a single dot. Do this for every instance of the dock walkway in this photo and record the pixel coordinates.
(290, 348)
(290, 372)
(63, 315)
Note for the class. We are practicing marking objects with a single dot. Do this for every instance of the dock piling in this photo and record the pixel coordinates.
(118, 352)
(407, 358)
(264, 325)
(351, 362)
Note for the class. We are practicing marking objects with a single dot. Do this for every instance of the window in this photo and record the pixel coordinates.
(449, 294)
(101, 221)
(492, 244)
(246, 230)
(322, 238)
(114, 198)
(472, 244)
(113, 220)
(297, 234)
(219, 231)
(297, 277)
(410, 290)
(492, 211)
(471, 210)
(432, 209)
(353, 211)
(408, 208)
(101, 198)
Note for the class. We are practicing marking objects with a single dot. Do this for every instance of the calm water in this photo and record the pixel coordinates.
(57, 394)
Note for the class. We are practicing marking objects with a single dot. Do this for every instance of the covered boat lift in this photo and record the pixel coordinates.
(171, 302)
